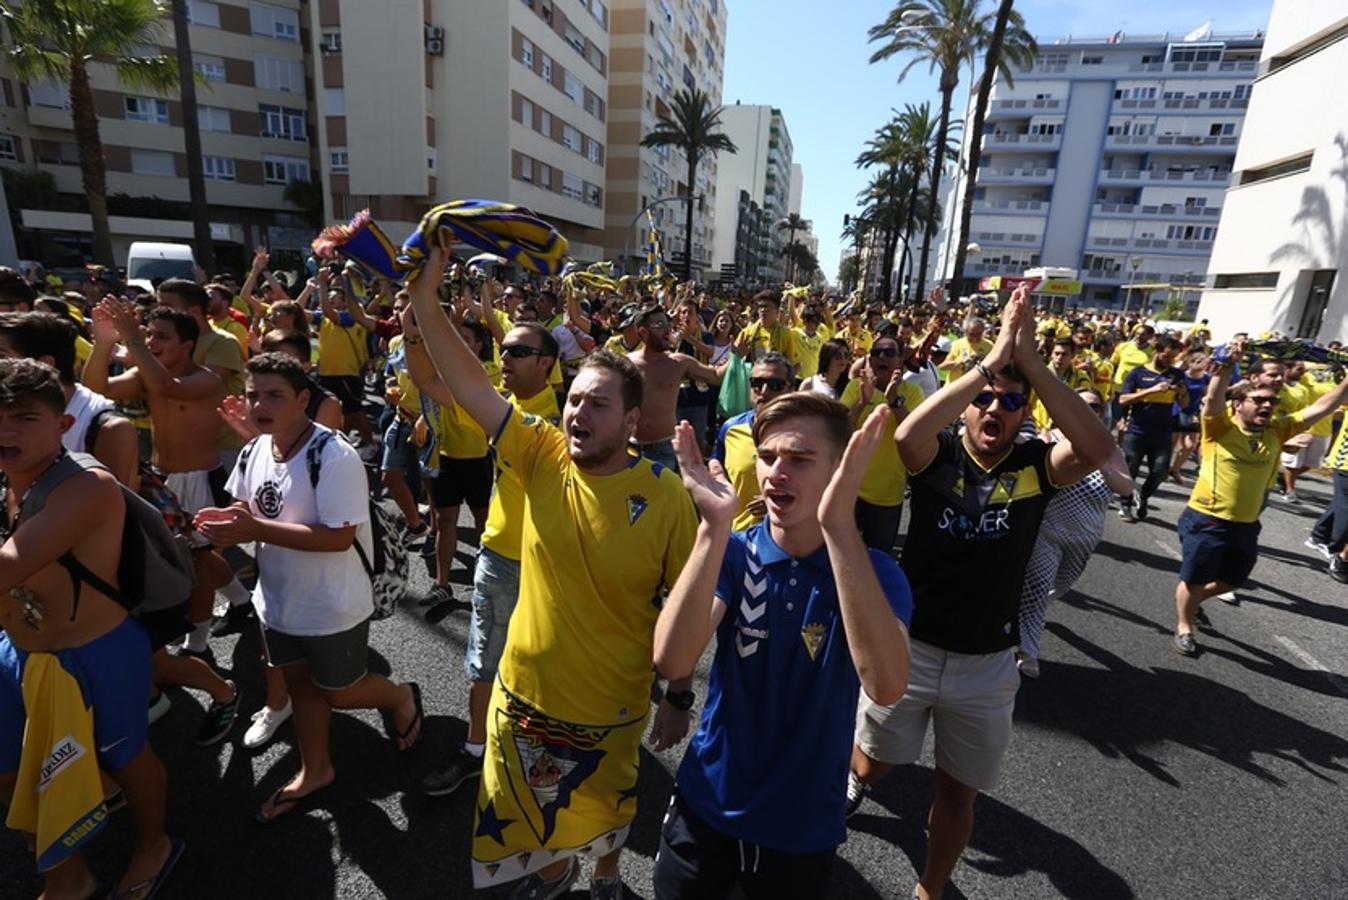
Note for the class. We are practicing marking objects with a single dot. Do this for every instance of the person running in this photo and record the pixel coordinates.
(805, 616)
(603, 533)
(1242, 435)
(1307, 450)
(735, 450)
(661, 374)
(1128, 355)
(1196, 378)
(1149, 393)
(527, 356)
(977, 502)
(82, 521)
(313, 596)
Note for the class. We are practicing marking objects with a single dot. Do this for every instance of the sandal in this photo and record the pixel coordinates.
(301, 804)
(149, 889)
(417, 718)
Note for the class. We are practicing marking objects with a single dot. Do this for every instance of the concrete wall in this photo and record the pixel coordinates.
(1078, 166)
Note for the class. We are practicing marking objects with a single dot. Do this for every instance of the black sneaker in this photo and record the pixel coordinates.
(219, 721)
(232, 621)
(450, 778)
(1184, 644)
(442, 602)
(414, 538)
(1142, 509)
(1338, 569)
(856, 793)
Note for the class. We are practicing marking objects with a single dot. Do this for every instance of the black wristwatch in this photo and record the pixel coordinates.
(681, 700)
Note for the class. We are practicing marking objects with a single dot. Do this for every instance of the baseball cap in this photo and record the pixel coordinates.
(942, 344)
(627, 316)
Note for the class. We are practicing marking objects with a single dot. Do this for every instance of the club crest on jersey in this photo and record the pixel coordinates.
(813, 635)
(636, 505)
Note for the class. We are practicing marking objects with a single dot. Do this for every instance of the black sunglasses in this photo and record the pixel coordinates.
(1010, 401)
(520, 351)
(885, 352)
(771, 384)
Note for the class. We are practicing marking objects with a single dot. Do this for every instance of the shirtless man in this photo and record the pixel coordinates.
(83, 517)
(182, 398)
(662, 372)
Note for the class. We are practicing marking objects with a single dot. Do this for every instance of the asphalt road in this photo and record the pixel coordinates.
(1132, 772)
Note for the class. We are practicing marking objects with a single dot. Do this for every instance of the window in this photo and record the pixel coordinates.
(430, 159)
(338, 160)
(1247, 280)
(211, 68)
(1092, 60)
(544, 172)
(283, 122)
(203, 12)
(1217, 129)
(526, 169)
(276, 74)
(572, 87)
(594, 196)
(545, 69)
(331, 40)
(572, 186)
(213, 118)
(152, 162)
(594, 152)
(9, 148)
(284, 169)
(527, 113)
(570, 138)
(334, 101)
(574, 38)
(1275, 170)
(48, 92)
(545, 122)
(527, 53)
(217, 168)
(276, 22)
(146, 109)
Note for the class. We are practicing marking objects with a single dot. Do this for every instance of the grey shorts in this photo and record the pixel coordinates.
(336, 661)
(496, 589)
(968, 698)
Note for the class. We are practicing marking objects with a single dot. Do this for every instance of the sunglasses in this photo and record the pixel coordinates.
(1263, 401)
(1010, 401)
(771, 384)
(885, 352)
(520, 351)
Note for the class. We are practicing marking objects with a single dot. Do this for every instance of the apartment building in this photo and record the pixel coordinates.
(660, 47)
(423, 101)
(762, 167)
(256, 135)
(1111, 157)
(1280, 258)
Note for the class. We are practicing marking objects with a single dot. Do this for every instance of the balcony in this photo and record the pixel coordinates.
(1028, 175)
(1010, 206)
(1004, 108)
(1165, 210)
(1006, 140)
(1182, 67)
(1138, 176)
(1004, 239)
(1224, 143)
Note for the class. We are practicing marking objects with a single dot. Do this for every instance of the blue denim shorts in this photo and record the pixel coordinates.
(400, 454)
(496, 588)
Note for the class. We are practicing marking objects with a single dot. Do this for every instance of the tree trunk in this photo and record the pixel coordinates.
(938, 159)
(196, 176)
(688, 218)
(93, 170)
(891, 235)
(908, 231)
(976, 145)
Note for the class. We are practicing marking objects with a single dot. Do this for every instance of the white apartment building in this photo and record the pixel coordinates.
(1281, 253)
(659, 48)
(762, 167)
(1112, 157)
(423, 101)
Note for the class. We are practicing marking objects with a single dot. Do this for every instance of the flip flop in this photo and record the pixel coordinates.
(296, 804)
(149, 889)
(417, 719)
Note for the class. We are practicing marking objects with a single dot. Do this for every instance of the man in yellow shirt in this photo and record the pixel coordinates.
(625, 341)
(880, 500)
(1127, 356)
(858, 339)
(222, 321)
(1219, 529)
(570, 699)
(1330, 534)
(768, 333)
(735, 449)
(809, 338)
(967, 349)
(1306, 450)
(342, 352)
(1062, 363)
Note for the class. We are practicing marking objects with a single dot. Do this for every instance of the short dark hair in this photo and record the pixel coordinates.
(282, 366)
(273, 341)
(27, 380)
(192, 293)
(34, 334)
(1065, 343)
(14, 288)
(546, 342)
(1012, 372)
(183, 324)
(633, 387)
(1264, 362)
(773, 358)
(481, 335)
(768, 297)
(1168, 343)
(837, 421)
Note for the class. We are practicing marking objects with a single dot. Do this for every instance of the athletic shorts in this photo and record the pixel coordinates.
(348, 389)
(1308, 457)
(196, 491)
(462, 481)
(1215, 549)
(968, 699)
(496, 589)
(336, 661)
(116, 668)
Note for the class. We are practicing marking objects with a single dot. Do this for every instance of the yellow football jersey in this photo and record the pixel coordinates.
(505, 516)
(1238, 465)
(886, 475)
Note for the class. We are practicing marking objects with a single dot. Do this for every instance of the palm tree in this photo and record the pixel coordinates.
(849, 272)
(791, 224)
(944, 34)
(196, 169)
(58, 39)
(801, 260)
(694, 128)
(1010, 42)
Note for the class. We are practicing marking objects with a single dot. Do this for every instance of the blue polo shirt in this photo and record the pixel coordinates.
(768, 764)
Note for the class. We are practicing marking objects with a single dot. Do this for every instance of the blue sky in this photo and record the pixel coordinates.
(809, 59)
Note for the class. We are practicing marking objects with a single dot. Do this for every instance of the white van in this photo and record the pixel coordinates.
(151, 261)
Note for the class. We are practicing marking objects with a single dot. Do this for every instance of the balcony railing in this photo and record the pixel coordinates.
(1214, 178)
(1172, 140)
(1122, 243)
(995, 206)
(1163, 209)
(1009, 139)
(1236, 66)
(1000, 106)
(1032, 174)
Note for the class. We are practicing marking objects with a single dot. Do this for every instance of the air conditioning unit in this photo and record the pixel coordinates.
(435, 46)
(435, 32)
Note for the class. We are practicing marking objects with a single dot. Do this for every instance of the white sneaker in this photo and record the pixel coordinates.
(265, 722)
(1228, 597)
(1322, 549)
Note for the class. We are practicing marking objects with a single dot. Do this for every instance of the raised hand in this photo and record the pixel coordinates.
(715, 499)
(261, 257)
(837, 509)
(105, 330)
(234, 410)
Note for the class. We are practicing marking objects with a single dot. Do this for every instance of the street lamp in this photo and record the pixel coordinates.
(1128, 295)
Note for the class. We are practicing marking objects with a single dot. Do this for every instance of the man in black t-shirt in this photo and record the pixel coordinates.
(1150, 393)
(977, 502)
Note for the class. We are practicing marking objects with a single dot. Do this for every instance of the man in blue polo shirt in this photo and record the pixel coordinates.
(804, 615)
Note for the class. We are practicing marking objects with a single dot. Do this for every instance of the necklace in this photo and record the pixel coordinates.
(280, 463)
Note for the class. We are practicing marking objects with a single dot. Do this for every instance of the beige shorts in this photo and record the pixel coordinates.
(1308, 457)
(968, 698)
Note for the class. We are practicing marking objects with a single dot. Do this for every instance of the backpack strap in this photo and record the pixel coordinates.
(313, 458)
(244, 455)
(96, 425)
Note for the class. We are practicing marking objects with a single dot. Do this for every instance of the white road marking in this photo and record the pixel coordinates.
(1167, 549)
(1338, 681)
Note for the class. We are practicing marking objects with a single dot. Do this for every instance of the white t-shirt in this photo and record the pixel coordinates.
(926, 378)
(83, 405)
(818, 384)
(302, 592)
